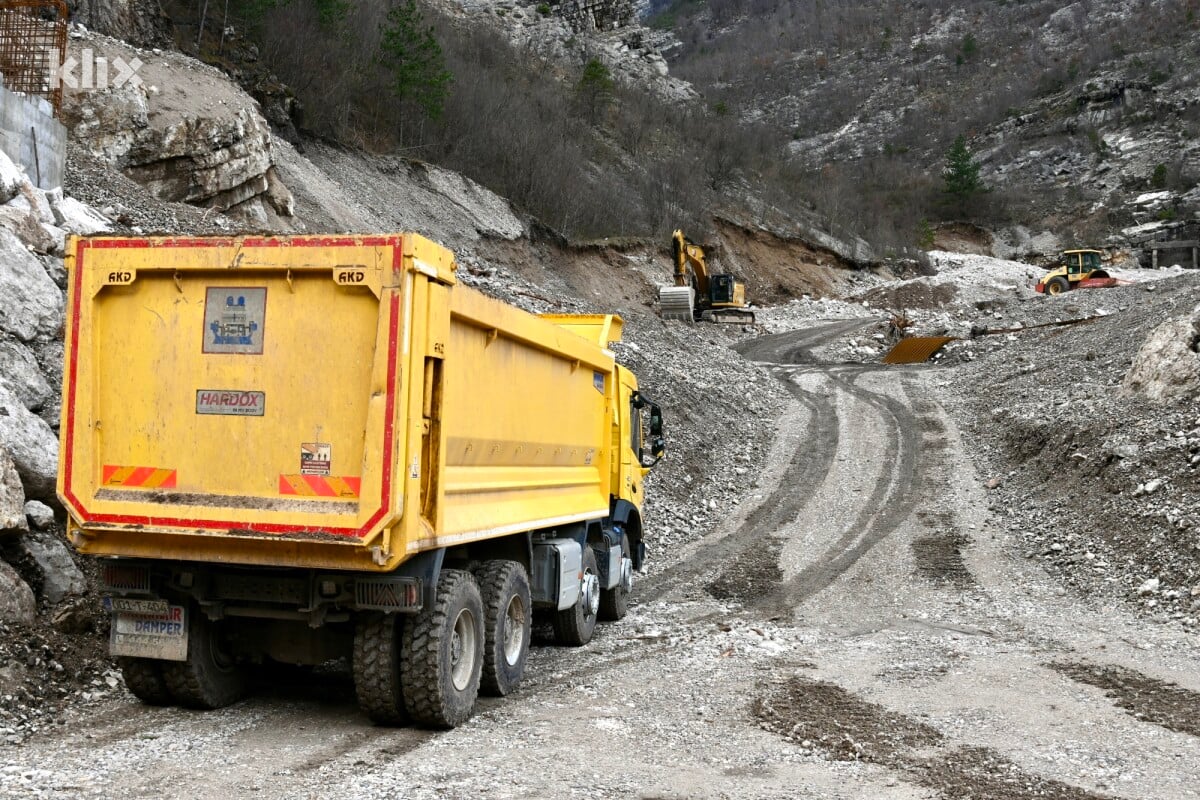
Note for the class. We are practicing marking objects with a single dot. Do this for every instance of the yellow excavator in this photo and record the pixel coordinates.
(697, 295)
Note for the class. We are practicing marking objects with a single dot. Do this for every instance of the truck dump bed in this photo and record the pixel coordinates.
(317, 401)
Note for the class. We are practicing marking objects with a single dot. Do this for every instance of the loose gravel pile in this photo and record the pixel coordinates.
(44, 670)
(131, 207)
(1101, 485)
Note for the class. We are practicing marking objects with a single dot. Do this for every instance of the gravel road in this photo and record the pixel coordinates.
(860, 626)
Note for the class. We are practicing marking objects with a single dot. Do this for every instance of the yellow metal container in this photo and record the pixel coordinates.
(334, 402)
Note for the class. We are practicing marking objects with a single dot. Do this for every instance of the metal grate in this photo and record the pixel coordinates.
(33, 43)
(387, 594)
(915, 349)
(124, 578)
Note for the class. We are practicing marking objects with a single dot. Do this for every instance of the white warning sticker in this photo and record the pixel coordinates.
(315, 458)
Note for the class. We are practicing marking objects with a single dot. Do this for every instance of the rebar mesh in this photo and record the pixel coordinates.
(33, 41)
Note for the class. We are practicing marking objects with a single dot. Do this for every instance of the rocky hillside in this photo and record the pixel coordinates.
(1108, 409)
(1085, 115)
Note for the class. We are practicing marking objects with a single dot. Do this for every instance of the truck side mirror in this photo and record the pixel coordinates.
(658, 445)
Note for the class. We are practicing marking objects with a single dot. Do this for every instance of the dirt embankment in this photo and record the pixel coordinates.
(1100, 483)
(776, 269)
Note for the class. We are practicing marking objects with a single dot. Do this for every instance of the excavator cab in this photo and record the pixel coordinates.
(721, 289)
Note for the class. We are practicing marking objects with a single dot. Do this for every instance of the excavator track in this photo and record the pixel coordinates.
(677, 302)
(728, 316)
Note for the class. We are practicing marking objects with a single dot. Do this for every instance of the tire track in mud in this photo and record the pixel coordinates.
(747, 561)
(845, 727)
(753, 550)
(1167, 705)
(891, 501)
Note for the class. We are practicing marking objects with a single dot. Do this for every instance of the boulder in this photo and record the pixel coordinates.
(213, 161)
(19, 371)
(1167, 367)
(40, 515)
(56, 239)
(22, 222)
(31, 305)
(32, 446)
(76, 217)
(17, 603)
(55, 269)
(12, 497)
(60, 577)
(10, 178)
(34, 200)
(50, 359)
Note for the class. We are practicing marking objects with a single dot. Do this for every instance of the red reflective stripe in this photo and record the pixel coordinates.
(319, 485)
(139, 476)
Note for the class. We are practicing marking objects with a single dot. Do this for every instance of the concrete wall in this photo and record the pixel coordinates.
(25, 121)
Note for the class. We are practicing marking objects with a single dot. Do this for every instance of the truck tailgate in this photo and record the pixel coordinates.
(234, 388)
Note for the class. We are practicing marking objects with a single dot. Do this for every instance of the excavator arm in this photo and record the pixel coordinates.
(688, 255)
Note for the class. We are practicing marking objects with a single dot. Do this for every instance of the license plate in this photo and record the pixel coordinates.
(147, 608)
(157, 634)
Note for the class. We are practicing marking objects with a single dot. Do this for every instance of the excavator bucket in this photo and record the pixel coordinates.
(677, 302)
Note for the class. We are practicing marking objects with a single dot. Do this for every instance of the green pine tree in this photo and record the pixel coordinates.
(411, 53)
(595, 89)
(961, 175)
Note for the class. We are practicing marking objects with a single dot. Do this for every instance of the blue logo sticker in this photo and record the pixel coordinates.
(233, 319)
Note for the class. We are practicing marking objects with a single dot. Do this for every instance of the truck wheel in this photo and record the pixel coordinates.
(1057, 286)
(614, 602)
(144, 678)
(210, 678)
(442, 654)
(573, 626)
(377, 667)
(506, 624)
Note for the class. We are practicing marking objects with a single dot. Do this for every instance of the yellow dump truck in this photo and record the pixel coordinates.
(300, 449)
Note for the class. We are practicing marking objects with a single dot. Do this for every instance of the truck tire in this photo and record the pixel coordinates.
(210, 678)
(442, 654)
(614, 602)
(144, 678)
(507, 625)
(573, 627)
(377, 667)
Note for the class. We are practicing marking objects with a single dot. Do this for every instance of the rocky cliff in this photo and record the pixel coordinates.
(181, 129)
